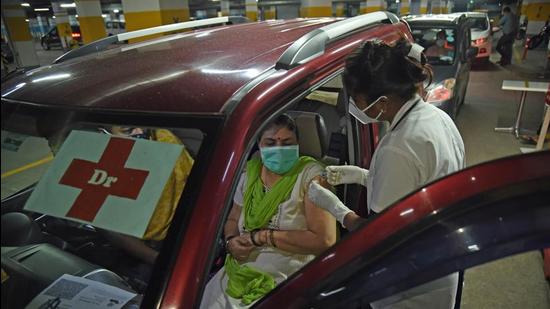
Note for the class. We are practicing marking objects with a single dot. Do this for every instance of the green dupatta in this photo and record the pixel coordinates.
(245, 282)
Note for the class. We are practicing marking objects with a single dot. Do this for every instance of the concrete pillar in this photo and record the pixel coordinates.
(537, 13)
(423, 7)
(340, 10)
(316, 8)
(369, 6)
(404, 8)
(436, 7)
(224, 7)
(141, 14)
(19, 34)
(92, 26)
(63, 26)
(270, 12)
(252, 9)
(449, 6)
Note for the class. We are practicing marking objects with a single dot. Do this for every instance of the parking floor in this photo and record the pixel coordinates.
(518, 281)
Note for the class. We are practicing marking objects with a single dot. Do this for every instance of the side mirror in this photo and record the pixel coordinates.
(471, 53)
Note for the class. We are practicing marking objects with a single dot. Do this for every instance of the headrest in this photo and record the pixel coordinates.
(312, 133)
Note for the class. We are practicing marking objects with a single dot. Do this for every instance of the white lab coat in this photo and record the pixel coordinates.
(424, 146)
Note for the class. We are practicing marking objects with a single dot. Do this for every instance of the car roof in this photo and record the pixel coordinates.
(434, 19)
(474, 14)
(191, 72)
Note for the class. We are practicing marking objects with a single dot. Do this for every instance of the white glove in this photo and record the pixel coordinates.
(327, 200)
(339, 174)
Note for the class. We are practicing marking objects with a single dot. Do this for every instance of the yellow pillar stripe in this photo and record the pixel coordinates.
(316, 11)
(11, 6)
(27, 166)
(19, 28)
(92, 28)
(340, 12)
(269, 14)
(538, 11)
(142, 20)
(423, 10)
(371, 9)
(252, 15)
(174, 16)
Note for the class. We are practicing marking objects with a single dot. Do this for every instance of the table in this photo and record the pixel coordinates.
(524, 87)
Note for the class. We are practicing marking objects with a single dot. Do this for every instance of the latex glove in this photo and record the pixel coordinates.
(349, 174)
(324, 198)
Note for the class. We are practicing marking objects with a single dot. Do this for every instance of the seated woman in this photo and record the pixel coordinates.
(273, 228)
(441, 46)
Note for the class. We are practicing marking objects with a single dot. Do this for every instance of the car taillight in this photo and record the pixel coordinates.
(479, 41)
(441, 91)
(75, 35)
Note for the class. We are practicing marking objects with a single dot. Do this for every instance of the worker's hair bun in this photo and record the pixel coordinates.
(377, 68)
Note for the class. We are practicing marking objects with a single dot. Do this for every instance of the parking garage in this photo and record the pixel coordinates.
(130, 130)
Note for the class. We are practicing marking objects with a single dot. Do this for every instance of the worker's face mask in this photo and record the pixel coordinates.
(361, 114)
(279, 159)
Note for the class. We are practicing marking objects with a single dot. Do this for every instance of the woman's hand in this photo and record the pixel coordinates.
(240, 247)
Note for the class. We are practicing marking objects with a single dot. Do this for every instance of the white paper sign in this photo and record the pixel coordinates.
(76, 292)
(110, 182)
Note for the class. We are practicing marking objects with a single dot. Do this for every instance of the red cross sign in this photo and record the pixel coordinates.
(107, 177)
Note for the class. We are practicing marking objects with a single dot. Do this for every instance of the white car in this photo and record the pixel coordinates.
(481, 34)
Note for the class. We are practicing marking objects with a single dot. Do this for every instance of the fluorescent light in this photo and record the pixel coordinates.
(104, 15)
(68, 5)
(26, 20)
(53, 17)
(25, 4)
(42, 9)
(116, 11)
(76, 16)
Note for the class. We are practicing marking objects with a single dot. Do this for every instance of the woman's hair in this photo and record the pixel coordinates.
(281, 121)
(376, 69)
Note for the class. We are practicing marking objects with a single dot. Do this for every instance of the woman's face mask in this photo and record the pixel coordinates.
(279, 159)
(361, 114)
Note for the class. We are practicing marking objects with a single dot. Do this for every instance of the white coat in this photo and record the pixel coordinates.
(422, 145)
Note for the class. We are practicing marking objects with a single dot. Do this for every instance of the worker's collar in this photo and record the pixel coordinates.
(404, 110)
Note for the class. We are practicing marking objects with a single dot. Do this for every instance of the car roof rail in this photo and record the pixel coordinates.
(102, 44)
(313, 44)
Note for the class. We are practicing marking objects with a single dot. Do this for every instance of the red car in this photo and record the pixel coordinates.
(212, 91)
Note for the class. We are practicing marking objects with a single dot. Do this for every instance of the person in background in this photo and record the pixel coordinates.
(422, 144)
(441, 46)
(508, 24)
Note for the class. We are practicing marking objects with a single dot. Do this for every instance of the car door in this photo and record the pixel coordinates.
(477, 215)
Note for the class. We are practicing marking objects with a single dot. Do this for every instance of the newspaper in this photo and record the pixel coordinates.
(76, 292)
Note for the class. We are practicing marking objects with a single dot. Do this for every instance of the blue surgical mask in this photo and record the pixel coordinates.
(279, 159)
(361, 115)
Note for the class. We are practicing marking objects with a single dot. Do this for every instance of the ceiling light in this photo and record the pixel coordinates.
(25, 4)
(104, 15)
(68, 5)
(116, 11)
(42, 9)
(76, 16)
(26, 20)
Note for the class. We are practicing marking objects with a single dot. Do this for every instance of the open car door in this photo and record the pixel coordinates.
(474, 216)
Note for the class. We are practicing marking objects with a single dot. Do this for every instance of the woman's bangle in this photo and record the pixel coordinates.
(252, 234)
(272, 238)
(228, 239)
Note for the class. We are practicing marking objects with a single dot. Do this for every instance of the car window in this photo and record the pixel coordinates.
(480, 23)
(102, 200)
(439, 44)
(322, 139)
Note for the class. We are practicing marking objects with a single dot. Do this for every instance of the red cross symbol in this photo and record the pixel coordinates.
(104, 178)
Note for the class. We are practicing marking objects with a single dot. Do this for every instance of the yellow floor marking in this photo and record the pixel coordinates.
(27, 166)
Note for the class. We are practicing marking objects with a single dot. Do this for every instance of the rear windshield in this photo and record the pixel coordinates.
(439, 44)
(480, 23)
(92, 201)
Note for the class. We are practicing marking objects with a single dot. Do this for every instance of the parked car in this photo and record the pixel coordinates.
(481, 34)
(52, 39)
(114, 27)
(214, 91)
(451, 62)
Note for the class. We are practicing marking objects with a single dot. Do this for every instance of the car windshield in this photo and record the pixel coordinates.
(480, 23)
(89, 199)
(439, 44)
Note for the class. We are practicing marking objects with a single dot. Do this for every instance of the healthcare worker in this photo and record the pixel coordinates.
(421, 145)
